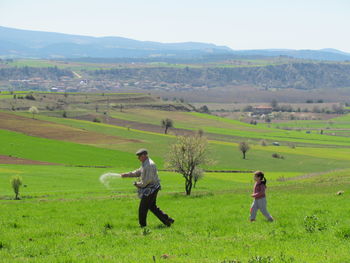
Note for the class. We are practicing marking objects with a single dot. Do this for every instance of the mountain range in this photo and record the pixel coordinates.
(18, 43)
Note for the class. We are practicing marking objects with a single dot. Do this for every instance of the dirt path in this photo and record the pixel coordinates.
(77, 75)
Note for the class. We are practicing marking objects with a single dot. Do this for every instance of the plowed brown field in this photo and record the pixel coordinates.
(50, 130)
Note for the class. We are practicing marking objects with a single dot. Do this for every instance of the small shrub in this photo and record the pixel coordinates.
(260, 259)
(285, 259)
(96, 120)
(313, 224)
(204, 109)
(277, 156)
(292, 145)
(2, 245)
(30, 96)
(263, 143)
(344, 233)
(108, 226)
(310, 223)
(16, 182)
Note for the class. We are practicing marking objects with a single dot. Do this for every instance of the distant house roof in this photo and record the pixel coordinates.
(263, 107)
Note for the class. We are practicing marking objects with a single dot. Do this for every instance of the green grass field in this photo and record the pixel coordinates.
(333, 126)
(225, 154)
(66, 215)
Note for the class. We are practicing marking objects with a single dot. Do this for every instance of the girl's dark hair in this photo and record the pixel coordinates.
(261, 175)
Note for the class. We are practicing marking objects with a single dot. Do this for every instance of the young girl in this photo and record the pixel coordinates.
(259, 197)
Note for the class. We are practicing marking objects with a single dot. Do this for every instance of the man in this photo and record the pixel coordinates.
(148, 187)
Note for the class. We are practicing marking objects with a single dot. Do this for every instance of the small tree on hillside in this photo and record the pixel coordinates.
(167, 123)
(204, 109)
(185, 157)
(244, 148)
(263, 143)
(16, 182)
(33, 110)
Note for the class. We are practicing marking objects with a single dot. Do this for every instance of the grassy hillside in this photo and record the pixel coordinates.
(339, 126)
(41, 149)
(225, 154)
(231, 128)
(67, 215)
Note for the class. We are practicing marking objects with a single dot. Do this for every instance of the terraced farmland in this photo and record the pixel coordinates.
(66, 215)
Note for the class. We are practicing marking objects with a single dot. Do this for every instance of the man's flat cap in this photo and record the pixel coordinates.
(141, 151)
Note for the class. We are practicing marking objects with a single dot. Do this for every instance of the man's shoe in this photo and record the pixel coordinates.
(170, 222)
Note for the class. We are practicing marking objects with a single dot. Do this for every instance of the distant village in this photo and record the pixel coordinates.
(68, 84)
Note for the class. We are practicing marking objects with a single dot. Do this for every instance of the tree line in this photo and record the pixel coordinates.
(50, 73)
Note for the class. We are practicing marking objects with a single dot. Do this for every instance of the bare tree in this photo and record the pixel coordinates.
(244, 148)
(185, 157)
(33, 110)
(16, 182)
(263, 143)
(167, 123)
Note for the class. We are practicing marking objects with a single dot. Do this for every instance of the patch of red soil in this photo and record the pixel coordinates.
(14, 160)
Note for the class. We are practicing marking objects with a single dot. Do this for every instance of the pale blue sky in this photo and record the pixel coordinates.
(249, 24)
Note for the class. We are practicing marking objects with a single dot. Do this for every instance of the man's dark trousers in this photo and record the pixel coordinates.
(149, 203)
